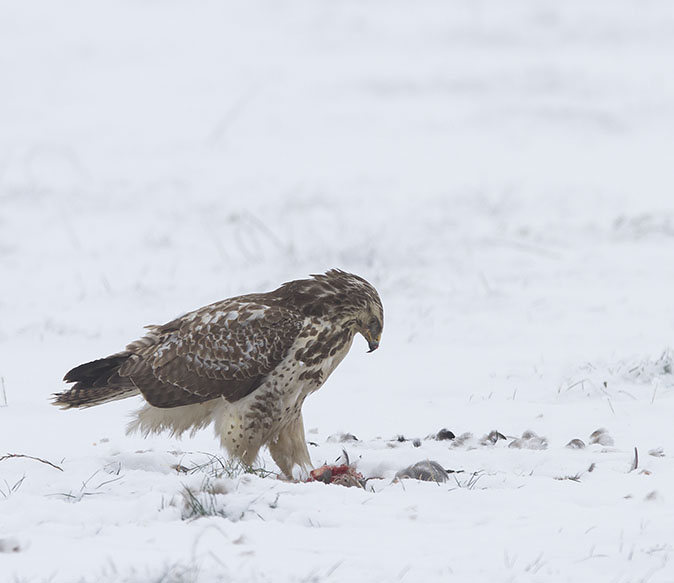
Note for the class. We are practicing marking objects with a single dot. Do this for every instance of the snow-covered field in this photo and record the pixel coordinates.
(501, 171)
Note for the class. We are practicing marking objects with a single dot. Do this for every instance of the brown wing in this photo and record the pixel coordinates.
(223, 350)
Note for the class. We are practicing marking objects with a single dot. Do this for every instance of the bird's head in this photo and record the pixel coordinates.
(370, 324)
(346, 299)
(363, 307)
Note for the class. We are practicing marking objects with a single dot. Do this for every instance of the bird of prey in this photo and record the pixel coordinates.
(244, 364)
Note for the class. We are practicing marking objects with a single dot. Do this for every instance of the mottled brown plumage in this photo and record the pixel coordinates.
(245, 364)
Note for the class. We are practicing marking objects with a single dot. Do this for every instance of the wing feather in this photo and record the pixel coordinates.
(223, 350)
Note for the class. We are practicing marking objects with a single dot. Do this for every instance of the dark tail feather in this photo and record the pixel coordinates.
(96, 382)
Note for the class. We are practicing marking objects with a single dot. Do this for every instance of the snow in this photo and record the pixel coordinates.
(500, 171)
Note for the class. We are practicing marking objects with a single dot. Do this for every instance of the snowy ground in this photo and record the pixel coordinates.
(502, 172)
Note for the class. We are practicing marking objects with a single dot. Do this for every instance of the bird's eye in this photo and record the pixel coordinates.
(373, 322)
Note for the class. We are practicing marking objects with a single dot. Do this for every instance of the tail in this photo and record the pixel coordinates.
(96, 382)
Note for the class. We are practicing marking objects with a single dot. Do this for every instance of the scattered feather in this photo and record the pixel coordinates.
(342, 438)
(576, 444)
(463, 439)
(529, 440)
(426, 471)
(492, 438)
(602, 437)
(444, 435)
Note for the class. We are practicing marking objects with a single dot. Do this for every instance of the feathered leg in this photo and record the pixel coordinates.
(289, 449)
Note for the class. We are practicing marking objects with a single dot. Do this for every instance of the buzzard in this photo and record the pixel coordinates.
(245, 364)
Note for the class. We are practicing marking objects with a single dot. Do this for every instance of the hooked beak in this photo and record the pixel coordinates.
(372, 343)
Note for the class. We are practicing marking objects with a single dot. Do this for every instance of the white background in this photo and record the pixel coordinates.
(502, 172)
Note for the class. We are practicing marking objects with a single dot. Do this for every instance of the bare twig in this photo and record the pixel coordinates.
(230, 116)
(30, 457)
(14, 488)
(4, 394)
(581, 382)
(610, 405)
(109, 481)
(635, 464)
